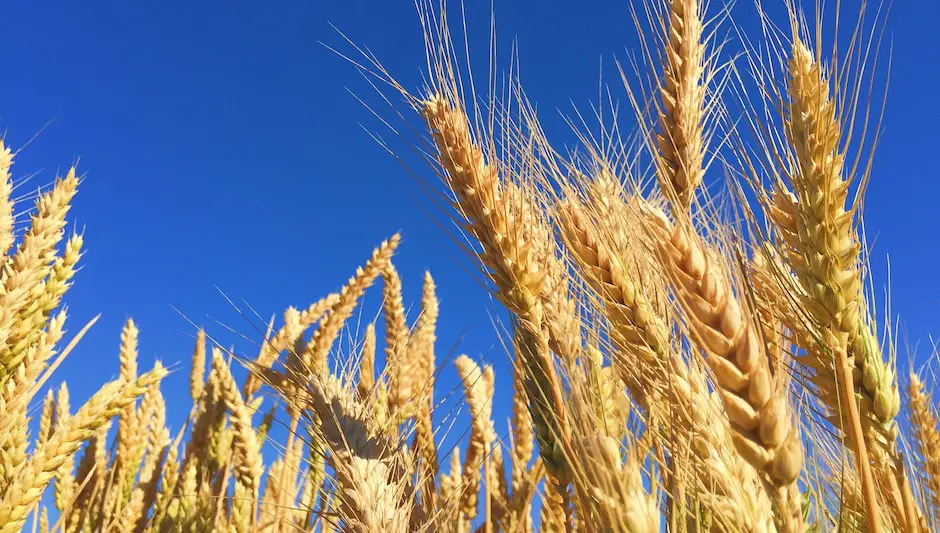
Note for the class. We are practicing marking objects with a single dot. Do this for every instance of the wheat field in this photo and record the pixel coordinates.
(686, 357)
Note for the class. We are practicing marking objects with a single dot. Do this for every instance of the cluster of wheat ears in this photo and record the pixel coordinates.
(683, 361)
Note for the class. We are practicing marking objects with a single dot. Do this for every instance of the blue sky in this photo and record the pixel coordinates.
(222, 149)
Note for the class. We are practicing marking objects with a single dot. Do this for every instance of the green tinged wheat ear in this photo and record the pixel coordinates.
(824, 255)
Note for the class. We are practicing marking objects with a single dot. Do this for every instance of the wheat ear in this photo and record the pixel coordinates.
(197, 374)
(755, 400)
(366, 384)
(482, 433)
(396, 339)
(248, 463)
(371, 470)
(26, 488)
(682, 114)
(927, 439)
(315, 354)
(26, 271)
(638, 331)
(513, 239)
(421, 390)
(824, 255)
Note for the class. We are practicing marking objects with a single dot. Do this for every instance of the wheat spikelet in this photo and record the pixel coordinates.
(6, 202)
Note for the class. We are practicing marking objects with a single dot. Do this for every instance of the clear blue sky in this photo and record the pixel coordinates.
(222, 150)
